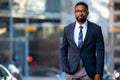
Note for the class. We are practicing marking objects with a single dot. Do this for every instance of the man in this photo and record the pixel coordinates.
(82, 48)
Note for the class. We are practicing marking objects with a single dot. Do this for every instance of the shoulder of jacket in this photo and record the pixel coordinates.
(94, 24)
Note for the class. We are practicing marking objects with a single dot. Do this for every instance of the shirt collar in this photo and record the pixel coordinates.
(83, 25)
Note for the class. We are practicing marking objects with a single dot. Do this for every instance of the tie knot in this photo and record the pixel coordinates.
(81, 27)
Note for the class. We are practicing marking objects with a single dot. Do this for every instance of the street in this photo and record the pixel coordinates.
(40, 78)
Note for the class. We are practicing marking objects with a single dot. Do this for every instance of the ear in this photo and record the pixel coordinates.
(88, 13)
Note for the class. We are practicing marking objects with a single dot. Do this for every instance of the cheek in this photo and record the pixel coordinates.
(76, 14)
(87, 14)
(84, 15)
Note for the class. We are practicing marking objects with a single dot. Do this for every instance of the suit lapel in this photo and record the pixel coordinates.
(72, 31)
(87, 34)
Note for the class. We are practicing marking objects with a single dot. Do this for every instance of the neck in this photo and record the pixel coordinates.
(81, 22)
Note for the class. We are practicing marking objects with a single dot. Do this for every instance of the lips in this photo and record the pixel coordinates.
(81, 17)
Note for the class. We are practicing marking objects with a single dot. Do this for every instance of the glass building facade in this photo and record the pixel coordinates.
(44, 42)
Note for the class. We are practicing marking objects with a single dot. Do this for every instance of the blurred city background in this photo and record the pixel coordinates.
(30, 33)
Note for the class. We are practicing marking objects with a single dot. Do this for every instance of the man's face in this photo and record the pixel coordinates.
(81, 13)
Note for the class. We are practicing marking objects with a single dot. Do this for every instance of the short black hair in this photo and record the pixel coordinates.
(82, 3)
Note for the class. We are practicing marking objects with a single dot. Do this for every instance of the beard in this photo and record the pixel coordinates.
(82, 20)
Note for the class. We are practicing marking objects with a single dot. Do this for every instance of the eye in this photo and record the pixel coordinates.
(82, 11)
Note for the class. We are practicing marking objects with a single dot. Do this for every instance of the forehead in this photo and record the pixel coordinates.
(80, 7)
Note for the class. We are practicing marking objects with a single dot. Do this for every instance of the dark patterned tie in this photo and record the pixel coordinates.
(80, 37)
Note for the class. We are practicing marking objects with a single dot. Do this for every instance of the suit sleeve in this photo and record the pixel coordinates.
(100, 52)
(64, 53)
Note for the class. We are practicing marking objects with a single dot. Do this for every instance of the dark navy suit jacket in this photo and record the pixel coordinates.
(91, 52)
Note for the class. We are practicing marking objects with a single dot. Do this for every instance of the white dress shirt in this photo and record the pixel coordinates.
(77, 30)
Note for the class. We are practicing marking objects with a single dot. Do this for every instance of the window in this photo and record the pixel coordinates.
(117, 6)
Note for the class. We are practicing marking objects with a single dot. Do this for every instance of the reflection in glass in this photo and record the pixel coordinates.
(116, 18)
(117, 6)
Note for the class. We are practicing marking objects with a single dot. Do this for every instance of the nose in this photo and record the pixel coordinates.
(80, 13)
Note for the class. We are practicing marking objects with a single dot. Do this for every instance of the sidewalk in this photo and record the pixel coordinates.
(39, 78)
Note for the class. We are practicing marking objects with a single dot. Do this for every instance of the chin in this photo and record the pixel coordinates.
(81, 20)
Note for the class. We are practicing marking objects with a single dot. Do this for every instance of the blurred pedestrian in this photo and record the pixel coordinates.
(82, 47)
